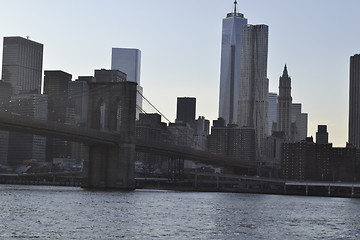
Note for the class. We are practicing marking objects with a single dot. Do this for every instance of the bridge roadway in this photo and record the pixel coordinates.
(15, 122)
(188, 153)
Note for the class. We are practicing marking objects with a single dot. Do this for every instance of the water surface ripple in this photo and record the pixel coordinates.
(42, 212)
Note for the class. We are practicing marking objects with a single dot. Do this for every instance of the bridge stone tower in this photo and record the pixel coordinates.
(112, 107)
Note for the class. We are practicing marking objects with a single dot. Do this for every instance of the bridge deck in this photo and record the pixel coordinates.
(14, 122)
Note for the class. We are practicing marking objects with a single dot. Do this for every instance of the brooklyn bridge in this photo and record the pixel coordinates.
(110, 137)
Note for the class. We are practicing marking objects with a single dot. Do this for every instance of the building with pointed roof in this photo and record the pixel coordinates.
(284, 115)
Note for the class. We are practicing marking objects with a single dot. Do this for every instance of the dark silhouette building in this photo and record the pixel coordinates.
(345, 164)
(88, 79)
(104, 75)
(56, 86)
(322, 136)
(186, 109)
(354, 101)
(307, 160)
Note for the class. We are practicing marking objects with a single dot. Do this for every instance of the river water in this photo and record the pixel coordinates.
(42, 212)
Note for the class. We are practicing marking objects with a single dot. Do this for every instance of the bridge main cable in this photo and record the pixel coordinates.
(152, 105)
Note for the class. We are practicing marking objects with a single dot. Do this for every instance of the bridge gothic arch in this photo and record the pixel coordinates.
(102, 120)
(99, 115)
(115, 115)
(112, 108)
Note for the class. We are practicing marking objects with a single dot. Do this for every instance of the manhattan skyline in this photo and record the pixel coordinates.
(181, 43)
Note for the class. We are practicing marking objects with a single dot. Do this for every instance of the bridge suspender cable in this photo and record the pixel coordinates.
(180, 130)
(154, 107)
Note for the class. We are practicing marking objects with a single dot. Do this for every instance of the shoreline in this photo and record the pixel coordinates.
(236, 184)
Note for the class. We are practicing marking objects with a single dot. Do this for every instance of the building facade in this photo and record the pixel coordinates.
(322, 136)
(56, 85)
(272, 112)
(5, 94)
(186, 109)
(254, 87)
(22, 64)
(232, 141)
(354, 101)
(105, 75)
(309, 161)
(299, 123)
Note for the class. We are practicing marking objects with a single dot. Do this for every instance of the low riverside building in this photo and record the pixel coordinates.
(307, 160)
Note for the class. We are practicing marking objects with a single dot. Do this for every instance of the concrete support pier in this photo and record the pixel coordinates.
(111, 167)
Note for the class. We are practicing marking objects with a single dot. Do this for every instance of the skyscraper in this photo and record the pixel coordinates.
(243, 75)
(128, 60)
(299, 122)
(231, 62)
(302, 126)
(254, 85)
(186, 108)
(284, 105)
(22, 64)
(354, 101)
(272, 111)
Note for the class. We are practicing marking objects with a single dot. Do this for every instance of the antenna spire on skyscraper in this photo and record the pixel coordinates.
(235, 3)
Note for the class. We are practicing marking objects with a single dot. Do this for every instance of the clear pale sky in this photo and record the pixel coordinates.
(180, 44)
